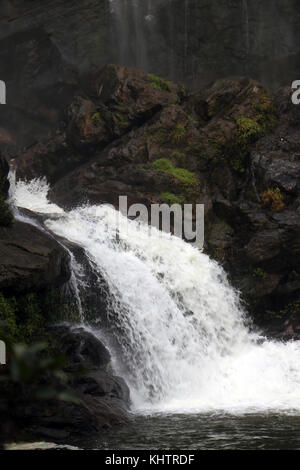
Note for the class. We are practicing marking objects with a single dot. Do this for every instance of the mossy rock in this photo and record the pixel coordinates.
(236, 150)
(160, 83)
(171, 199)
(25, 318)
(164, 165)
(188, 181)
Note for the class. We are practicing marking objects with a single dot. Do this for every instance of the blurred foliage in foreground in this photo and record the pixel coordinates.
(30, 375)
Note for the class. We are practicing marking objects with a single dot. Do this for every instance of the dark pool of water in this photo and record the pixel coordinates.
(201, 432)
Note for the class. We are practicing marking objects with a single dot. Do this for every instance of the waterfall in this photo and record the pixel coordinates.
(37, 200)
(131, 30)
(179, 335)
(246, 25)
(186, 33)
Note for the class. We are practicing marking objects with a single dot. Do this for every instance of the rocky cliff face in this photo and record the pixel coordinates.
(231, 146)
(46, 48)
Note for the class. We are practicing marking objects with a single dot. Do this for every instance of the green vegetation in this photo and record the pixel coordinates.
(235, 151)
(159, 83)
(247, 132)
(8, 322)
(24, 318)
(21, 320)
(273, 199)
(189, 182)
(265, 113)
(171, 199)
(291, 310)
(259, 273)
(175, 137)
(183, 91)
(178, 134)
(164, 165)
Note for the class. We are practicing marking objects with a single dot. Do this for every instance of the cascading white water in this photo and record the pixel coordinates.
(184, 343)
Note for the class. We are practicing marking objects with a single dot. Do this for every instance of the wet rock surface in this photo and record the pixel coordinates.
(232, 147)
(30, 259)
(91, 399)
(47, 49)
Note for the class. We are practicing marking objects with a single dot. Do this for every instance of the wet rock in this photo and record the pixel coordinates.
(82, 347)
(231, 146)
(31, 260)
(85, 350)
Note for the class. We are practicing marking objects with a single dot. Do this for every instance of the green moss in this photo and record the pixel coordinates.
(235, 151)
(265, 113)
(25, 318)
(8, 325)
(171, 199)
(30, 317)
(189, 181)
(247, 131)
(178, 134)
(164, 165)
(160, 83)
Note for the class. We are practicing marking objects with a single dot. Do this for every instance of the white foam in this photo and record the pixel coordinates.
(185, 346)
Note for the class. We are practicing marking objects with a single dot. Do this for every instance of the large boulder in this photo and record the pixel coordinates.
(117, 100)
(31, 260)
(262, 253)
(86, 397)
